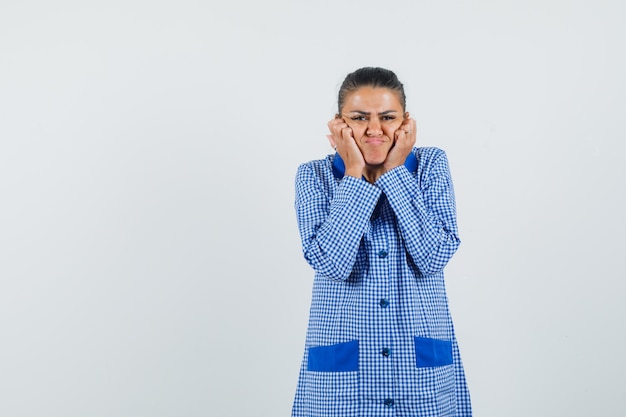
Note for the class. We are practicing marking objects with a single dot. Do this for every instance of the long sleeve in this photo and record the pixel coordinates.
(332, 219)
(425, 210)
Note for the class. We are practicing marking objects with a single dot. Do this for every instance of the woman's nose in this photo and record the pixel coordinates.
(373, 127)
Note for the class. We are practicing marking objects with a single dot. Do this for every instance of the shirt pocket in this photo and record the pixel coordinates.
(331, 394)
(340, 357)
(432, 352)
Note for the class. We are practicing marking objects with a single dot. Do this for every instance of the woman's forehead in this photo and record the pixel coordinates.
(368, 99)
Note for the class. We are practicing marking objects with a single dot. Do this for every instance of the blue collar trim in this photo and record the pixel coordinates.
(339, 168)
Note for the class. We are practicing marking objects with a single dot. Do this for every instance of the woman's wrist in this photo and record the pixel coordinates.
(354, 172)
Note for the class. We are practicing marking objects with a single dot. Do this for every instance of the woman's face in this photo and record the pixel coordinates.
(373, 114)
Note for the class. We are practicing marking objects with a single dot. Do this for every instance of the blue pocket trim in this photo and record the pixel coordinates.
(432, 352)
(342, 357)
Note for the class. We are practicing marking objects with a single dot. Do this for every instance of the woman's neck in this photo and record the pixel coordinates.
(373, 172)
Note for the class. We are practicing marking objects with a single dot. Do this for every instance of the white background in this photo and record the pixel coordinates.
(150, 263)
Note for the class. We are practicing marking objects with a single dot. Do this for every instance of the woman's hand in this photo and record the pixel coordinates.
(341, 139)
(404, 140)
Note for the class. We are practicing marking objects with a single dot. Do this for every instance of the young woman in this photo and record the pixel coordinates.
(378, 224)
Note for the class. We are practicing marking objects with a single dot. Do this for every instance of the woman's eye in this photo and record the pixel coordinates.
(358, 118)
(389, 117)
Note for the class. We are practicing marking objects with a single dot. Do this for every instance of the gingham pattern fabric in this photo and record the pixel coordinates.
(378, 251)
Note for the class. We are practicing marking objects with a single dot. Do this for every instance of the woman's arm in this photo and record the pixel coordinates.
(426, 212)
(331, 230)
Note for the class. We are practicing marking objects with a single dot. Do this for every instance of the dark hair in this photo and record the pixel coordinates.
(371, 77)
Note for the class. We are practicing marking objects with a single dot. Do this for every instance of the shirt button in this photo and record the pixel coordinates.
(385, 352)
(388, 402)
(383, 303)
(382, 253)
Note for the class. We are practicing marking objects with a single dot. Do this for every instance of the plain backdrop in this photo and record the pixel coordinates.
(150, 263)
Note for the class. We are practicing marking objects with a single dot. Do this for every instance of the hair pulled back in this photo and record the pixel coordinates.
(375, 77)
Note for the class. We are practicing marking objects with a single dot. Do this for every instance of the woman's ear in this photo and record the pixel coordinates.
(331, 141)
(406, 115)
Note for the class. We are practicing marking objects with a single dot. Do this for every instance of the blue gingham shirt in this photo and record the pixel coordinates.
(380, 340)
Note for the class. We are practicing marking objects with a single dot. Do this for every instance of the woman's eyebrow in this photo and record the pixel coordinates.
(366, 113)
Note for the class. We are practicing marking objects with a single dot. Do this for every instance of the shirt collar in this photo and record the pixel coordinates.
(339, 168)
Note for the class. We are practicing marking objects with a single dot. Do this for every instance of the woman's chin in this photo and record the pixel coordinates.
(375, 160)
